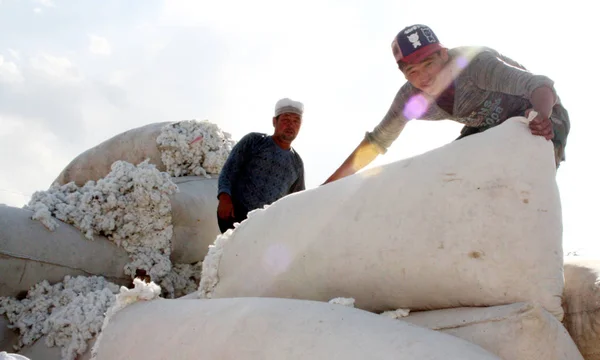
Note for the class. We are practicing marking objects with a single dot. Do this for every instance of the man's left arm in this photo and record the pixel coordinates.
(490, 72)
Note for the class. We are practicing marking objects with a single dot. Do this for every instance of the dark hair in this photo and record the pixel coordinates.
(402, 65)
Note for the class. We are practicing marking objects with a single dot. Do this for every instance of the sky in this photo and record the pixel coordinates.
(75, 73)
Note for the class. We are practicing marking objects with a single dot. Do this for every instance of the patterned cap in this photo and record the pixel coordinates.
(415, 43)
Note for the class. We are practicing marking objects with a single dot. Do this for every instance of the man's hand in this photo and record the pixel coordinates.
(542, 100)
(225, 208)
(541, 125)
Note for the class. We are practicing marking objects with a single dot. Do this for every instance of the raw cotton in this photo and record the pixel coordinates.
(182, 280)
(193, 147)
(396, 314)
(343, 301)
(520, 331)
(70, 313)
(429, 232)
(130, 206)
(269, 328)
(582, 304)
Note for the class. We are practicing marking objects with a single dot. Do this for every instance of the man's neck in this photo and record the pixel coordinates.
(281, 143)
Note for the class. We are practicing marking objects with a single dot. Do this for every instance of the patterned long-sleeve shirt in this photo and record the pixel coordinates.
(489, 88)
(258, 172)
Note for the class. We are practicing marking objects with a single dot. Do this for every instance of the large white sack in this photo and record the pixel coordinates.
(194, 217)
(133, 146)
(263, 328)
(30, 253)
(521, 331)
(582, 304)
(476, 222)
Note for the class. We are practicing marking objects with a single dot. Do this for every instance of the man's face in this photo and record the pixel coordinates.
(287, 126)
(425, 74)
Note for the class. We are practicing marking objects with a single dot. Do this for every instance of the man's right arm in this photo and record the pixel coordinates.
(229, 173)
(362, 156)
(377, 141)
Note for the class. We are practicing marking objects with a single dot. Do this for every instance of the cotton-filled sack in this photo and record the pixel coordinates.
(521, 331)
(264, 328)
(180, 148)
(194, 216)
(30, 253)
(476, 222)
(133, 146)
(582, 304)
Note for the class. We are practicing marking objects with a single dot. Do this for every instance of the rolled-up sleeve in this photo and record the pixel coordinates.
(493, 72)
(392, 124)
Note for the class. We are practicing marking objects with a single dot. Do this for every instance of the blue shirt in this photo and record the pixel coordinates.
(258, 172)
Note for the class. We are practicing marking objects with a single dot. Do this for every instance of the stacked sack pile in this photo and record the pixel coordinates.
(142, 203)
(453, 254)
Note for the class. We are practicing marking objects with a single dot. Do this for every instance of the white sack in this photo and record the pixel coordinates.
(30, 253)
(132, 146)
(263, 329)
(476, 222)
(582, 304)
(194, 218)
(521, 331)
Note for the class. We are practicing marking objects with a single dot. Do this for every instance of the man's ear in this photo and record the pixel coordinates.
(274, 120)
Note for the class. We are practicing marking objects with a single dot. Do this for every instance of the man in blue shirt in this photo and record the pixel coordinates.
(262, 168)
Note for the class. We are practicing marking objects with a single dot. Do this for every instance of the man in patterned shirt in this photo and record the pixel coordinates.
(475, 86)
(262, 169)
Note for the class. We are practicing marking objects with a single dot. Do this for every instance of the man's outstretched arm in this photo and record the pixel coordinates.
(362, 156)
(380, 139)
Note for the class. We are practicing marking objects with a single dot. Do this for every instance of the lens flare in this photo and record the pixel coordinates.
(462, 62)
(276, 259)
(415, 107)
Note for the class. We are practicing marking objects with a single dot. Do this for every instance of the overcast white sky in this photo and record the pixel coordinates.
(74, 73)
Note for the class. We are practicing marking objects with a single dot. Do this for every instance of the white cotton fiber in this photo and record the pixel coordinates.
(396, 314)
(343, 301)
(193, 147)
(183, 279)
(70, 313)
(130, 206)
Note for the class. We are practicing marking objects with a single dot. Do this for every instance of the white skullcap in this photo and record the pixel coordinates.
(286, 105)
